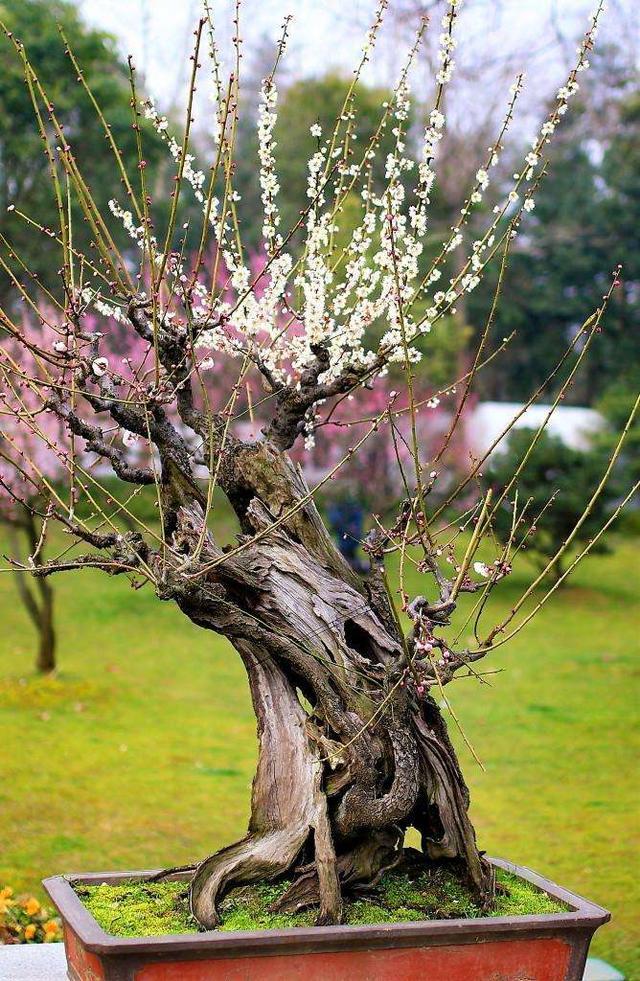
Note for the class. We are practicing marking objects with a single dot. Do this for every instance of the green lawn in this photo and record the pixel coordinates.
(141, 752)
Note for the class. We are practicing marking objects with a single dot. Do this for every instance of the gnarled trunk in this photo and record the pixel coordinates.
(350, 754)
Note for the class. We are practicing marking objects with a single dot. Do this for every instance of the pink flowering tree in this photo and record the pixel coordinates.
(26, 464)
(34, 465)
(374, 474)
(346, 669)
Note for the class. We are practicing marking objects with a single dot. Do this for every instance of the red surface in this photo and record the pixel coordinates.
(87, 966)
(509, 960)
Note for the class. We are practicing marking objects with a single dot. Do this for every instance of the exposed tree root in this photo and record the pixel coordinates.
(287, 804)
(165, 873)
(363, 864)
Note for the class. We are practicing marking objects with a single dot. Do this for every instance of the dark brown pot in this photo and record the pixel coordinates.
(550, 947)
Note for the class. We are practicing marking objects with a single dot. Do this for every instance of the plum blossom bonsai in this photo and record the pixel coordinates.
(348, 696)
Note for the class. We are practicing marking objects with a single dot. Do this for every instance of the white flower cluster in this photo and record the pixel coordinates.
(195, 178)
(136, 232)
(548, 128)
(91, 297)
(269, 187)
(333, 296)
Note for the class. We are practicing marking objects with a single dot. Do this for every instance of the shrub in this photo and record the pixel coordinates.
(23, 920)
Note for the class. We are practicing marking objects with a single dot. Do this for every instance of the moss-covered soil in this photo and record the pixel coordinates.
(143, 909)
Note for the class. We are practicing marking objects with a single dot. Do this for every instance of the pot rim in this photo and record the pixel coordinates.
(582, 915)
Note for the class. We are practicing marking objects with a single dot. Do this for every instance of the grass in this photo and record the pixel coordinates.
(141, 752)
(143, 909)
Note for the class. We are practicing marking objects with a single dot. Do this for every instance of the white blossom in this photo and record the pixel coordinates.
(482, 569)
(99, 367)
(269, 186)
(376, 284)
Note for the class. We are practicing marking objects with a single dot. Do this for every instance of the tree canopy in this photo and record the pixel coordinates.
(24, 180)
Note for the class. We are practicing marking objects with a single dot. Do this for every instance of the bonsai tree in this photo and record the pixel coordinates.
(554, 480)
(353, 746)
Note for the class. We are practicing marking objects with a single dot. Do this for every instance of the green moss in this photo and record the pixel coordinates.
(139, 909)
(519, 894)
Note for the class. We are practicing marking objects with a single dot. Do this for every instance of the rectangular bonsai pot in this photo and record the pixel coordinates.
(548, 947)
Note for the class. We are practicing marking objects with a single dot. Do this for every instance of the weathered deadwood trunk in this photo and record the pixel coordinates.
(350, 755)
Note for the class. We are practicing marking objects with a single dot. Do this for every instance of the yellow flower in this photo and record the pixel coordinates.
(30, 931)
(6, 892)
(51, 931)
(5, 904)
(32, 906)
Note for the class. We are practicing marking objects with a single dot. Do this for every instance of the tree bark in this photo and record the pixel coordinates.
(46, 659)
(350, 755)
(39, 607)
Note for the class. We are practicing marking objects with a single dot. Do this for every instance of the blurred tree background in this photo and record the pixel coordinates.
(24, 178)
(553, 468)
(586, 220)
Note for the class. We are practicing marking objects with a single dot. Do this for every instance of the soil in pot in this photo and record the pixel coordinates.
(145, 909)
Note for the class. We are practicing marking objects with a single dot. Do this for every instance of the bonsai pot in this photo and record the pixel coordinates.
(543, 947)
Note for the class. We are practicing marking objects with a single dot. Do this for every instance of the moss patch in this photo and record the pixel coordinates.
(142, 909)
(139, 909)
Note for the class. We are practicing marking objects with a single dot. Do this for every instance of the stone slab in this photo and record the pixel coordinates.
(597, 970)
(33, 962)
